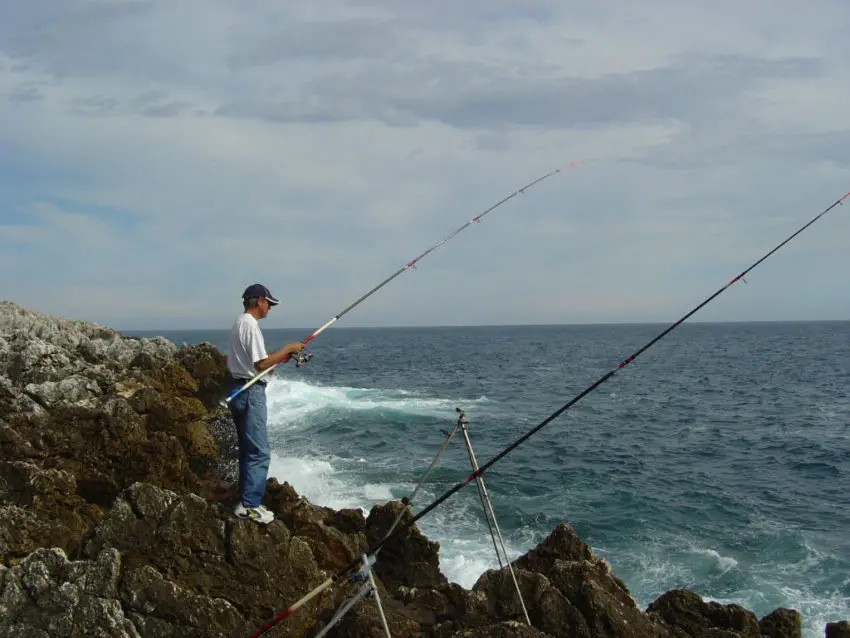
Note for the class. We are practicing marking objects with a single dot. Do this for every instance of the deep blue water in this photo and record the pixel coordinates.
(719, 460)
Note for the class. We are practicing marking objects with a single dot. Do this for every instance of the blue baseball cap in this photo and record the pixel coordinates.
(257, 291)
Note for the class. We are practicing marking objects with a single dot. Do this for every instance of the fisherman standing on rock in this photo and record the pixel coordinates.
(246, 357)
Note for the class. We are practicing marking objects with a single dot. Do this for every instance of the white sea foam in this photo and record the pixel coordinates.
(291, 403)
(318, 480)
(466, 549)
(723, 563)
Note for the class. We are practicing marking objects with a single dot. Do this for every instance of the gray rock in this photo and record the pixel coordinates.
(48, 595)
(76, 390)
(36, 349)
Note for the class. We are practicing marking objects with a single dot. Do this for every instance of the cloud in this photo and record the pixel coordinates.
(156, 156)
(23, 94)
(478, 96)
(327, 41)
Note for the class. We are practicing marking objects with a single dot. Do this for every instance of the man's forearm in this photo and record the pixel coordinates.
(274, 358)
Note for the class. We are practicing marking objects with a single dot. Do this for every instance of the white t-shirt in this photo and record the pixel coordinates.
(245, 348)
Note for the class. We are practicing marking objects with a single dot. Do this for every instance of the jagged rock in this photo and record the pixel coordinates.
(202, 548)
(348, 521)
(566, 591)
(75, 390)
(207, 367)
(837, 629)
(46, 595)
(163, 608)
(409, 558)
(13, 445)
(364, 619)
(687, 611)
(548, 609)
(507, 629)
(334, 548)
(40, 508)
(39, 348)
(781, 623)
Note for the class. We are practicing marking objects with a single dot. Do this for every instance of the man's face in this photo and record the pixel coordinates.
(264, 306)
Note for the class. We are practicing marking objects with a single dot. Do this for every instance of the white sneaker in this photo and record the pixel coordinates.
(257, 514)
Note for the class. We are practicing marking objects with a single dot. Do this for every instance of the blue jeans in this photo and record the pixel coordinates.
(250, 413)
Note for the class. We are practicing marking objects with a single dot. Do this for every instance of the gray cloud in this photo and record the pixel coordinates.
(95, 106)
(477, 96)
(151, 104)
(702, 151)
(329, 40)
(372, 67)
(157, 104)
(69, 38)
(23, 94)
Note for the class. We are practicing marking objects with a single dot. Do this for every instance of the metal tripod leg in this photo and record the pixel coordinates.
(490, 514)
(377, 597)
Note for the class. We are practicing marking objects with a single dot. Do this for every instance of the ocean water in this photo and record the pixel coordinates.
(719, 460)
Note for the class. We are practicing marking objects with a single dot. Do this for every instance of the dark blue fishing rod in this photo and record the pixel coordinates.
(510, 448)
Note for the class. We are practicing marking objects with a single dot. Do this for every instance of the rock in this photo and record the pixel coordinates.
(548, 609)
(837, 629)
(165, 609)
(75, 390)
(782, 623)
(46, 595)
(115, 452)
(40, 508)
(409, 559)
(687, 611)
(507, 629)
(364, 620)
(334, 548)
(207, 366)
(566, 591)
(200, 442)
(348, 521)
(202, 549)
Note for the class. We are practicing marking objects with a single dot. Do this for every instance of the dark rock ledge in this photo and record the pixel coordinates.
(115, 521)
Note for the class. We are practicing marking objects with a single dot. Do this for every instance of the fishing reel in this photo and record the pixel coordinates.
(301, 358)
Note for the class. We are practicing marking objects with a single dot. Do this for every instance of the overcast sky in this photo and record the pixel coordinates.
(158, 156)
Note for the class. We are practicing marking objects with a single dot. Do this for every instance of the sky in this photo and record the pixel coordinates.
(156, 157)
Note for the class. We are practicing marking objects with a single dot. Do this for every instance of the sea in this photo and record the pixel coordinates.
(718, 460)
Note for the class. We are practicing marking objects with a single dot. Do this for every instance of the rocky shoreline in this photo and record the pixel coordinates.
(115, 521)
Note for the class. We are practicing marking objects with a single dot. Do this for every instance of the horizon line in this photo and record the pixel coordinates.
(506, 325)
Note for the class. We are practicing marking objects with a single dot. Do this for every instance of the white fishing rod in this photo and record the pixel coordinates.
(304, 357)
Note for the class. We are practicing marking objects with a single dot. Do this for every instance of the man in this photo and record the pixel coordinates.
(247, 357)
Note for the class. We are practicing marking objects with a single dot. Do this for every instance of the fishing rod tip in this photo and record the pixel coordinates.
(573, 164)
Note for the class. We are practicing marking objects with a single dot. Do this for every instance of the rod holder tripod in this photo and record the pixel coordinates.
(489, 514)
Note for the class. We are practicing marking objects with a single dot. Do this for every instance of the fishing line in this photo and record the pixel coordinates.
(302, 359)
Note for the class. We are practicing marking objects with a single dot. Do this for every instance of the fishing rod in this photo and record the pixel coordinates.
(510, 448)
(302, 358)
